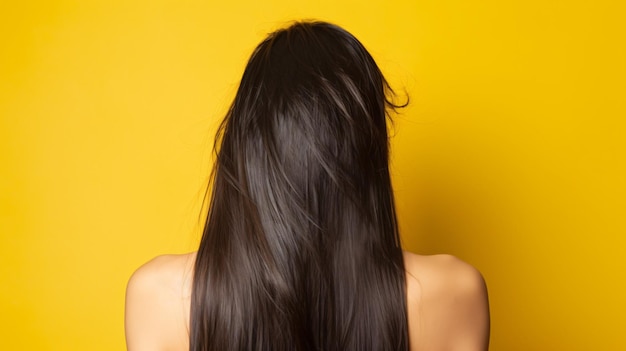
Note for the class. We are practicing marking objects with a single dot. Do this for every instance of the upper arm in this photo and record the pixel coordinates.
(467, 307)
(453, 309)
(151, 311)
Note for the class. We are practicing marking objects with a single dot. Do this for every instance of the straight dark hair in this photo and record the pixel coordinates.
(300, 249)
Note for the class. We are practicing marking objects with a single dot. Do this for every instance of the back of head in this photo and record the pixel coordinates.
(301, 250)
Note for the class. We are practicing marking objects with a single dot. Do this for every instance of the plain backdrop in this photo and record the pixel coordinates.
(511, 154)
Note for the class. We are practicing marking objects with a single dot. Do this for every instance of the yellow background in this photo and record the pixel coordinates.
(510, 156)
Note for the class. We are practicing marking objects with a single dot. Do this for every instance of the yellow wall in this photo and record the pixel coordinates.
(511, 155)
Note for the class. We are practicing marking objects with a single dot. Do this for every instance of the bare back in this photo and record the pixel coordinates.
(447, 304)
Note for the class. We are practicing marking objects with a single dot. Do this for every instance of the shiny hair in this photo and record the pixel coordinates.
(300, 249)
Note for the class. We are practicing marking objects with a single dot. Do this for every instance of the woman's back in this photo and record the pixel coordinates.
(447, 304)
(301, 248)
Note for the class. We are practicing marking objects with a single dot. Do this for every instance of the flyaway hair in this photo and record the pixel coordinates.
(301, 249)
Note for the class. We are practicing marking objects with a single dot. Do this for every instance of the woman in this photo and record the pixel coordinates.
(301, 249)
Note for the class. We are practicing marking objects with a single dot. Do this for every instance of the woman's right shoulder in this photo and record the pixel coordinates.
(447, 304)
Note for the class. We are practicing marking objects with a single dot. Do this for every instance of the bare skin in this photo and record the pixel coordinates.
(447, 304)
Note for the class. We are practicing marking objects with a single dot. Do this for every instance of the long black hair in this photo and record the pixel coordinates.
(300, 249)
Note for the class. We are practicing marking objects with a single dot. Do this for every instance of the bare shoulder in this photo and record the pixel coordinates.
(443, 272)
(157, 304)
(447, 303)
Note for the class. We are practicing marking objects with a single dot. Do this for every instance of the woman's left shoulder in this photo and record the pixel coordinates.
(157, 303)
